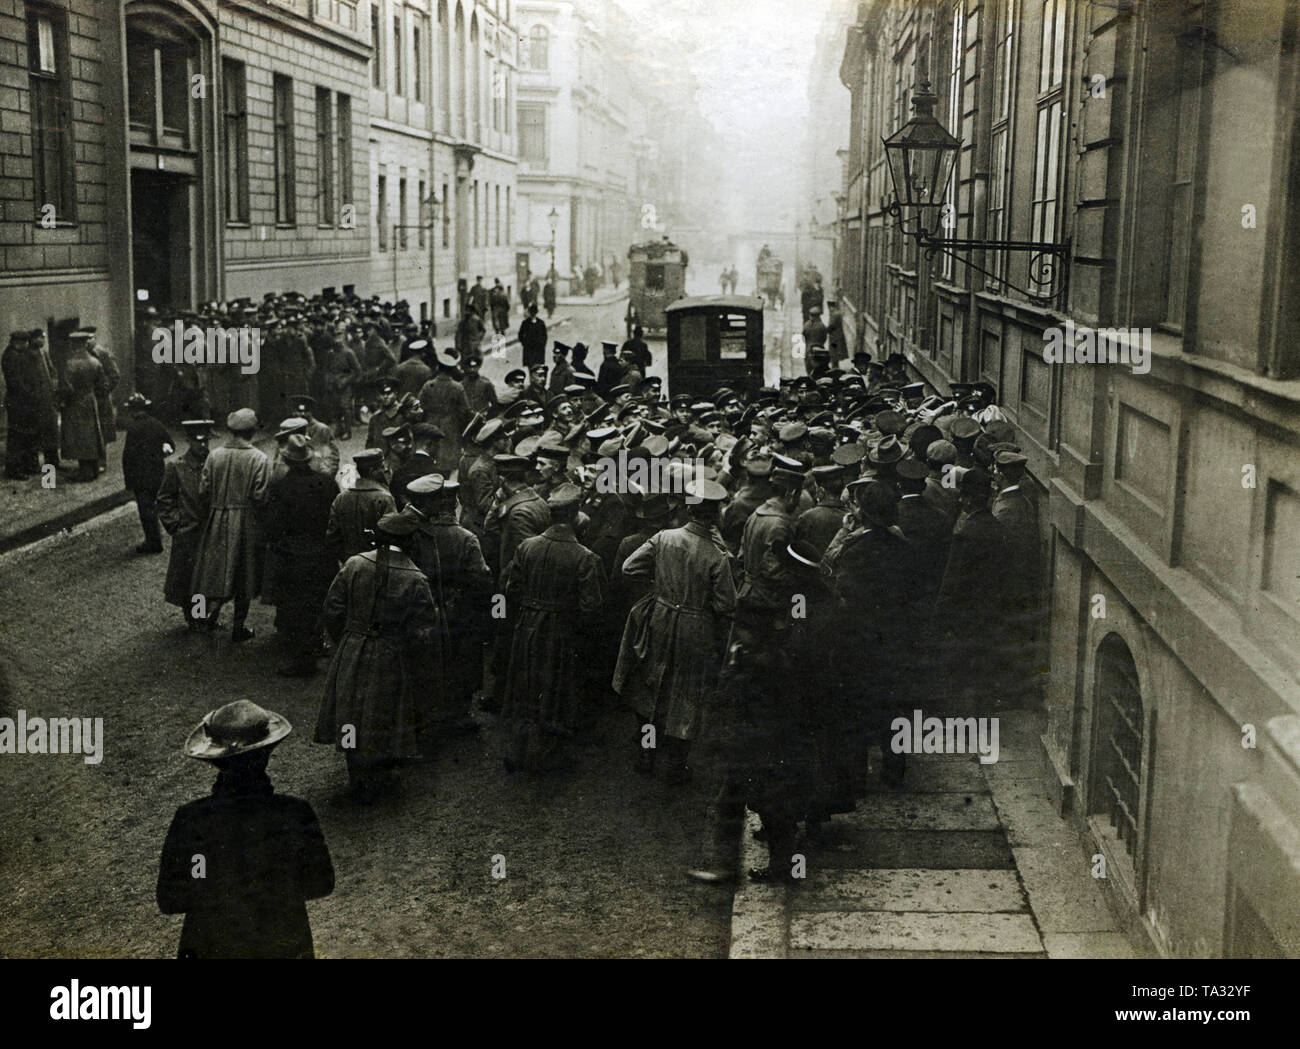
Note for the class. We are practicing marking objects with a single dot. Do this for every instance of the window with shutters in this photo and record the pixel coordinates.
(53, 150)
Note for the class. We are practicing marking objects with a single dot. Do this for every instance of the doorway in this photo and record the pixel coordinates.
(161, 243)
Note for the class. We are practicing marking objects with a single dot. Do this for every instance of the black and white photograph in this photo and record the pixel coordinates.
(651, 479)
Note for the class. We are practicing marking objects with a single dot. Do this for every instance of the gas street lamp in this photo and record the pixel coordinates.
(554, 216)
(921, 156)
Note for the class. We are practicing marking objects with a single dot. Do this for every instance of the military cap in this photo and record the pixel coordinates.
(385, 385)
(506, 463)
(787, 470)
(78, 336)
(446, 358)
(556, 401)
(791, 432)
(488, 431)
(369, 457)
(913, 390)
(876, 498)
(430, 484)
(921, 437)
(564, 497)
(609, 447)
(301, 401)
(527, 446)
(912, 469)
(767, 393)
(940, 453)
(561, 347)
(619, 390)
(1010, 458)
(710, 417)
(515, 373)
(681, 400)
(574, 389)
(819, 351)
(547, 450)
(475, 422)
(964, 428)
(426, 429)
(398, 524)
(849, 454)
(197, 427)
(801, 553)
(606, 344)
(825, 475)
(656, 444)
(757, 465)
(822, 436)
(1000, 430)
(584, 381)
(138, 400)
(517, 409)
(394, 432)
(242, 420)
(418, 345)
(890, 422)
(603, 433)
(705, 490)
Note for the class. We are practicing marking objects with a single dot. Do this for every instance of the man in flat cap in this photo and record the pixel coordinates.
(325, 450)
(233, 488)
(144, 451)
(668, 662)
(181, 512)
(554, 587)
(82, 387)
(380, 614)
(452, 560)
(263, 854)
(355, 511)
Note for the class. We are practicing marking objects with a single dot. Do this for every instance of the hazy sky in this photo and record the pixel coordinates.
(752, 60)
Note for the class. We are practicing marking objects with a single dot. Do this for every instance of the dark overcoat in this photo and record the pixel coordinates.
(181, 512)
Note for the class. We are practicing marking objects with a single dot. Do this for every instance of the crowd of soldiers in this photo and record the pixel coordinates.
(766, 579)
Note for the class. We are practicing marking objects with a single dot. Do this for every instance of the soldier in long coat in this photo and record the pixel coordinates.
(104, 395)
(263, 852)
(82, 437)
(299, 564)
(379, 612)
(144, 452)
(671, 651)
(181, 512)
(451, 559)
(553, 590)
(357, 510)
(820, 522)
(445, 405)
(233, 487)
(532, 337)
(29, 402)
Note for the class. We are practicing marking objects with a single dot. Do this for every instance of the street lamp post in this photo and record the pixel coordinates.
(554, 216)
(432, 203)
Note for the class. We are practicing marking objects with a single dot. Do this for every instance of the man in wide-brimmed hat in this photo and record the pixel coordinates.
(242, 863)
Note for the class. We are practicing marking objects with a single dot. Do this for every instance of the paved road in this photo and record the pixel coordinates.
(594, 857)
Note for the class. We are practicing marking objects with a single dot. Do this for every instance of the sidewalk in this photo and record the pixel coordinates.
(603, 297)
(964, 861)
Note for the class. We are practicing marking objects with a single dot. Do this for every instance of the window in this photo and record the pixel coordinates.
(956, 48)
(496, 192)
(417, 62)
(539, 40)
(235, 138)
(285, 181)
(458, 106)
(444, 68)
(381, 213)
(475, 81)
(397, 55)
(1000, 135)
(1186, 106)
(509, 238)
(1044, 212)
(52, 141)
(159, 69)
(1119, 749)
(324, 158)
(376, 46)
(422, 212)
(532, 133)
(654, 276)
(474, 200)
(401, 214)
(344, 103)
(446, 216)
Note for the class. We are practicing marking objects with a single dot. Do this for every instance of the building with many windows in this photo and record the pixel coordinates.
(576, 161)
(1159, 145)
(174, 152)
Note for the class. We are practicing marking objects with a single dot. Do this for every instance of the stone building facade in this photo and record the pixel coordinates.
(1160, 143)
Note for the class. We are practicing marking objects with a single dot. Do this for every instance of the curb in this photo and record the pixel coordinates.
(65, 521)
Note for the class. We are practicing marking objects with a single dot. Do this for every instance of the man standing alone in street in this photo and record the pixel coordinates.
(144, 452)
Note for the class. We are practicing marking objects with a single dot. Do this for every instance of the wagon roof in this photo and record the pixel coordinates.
(741, 302)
